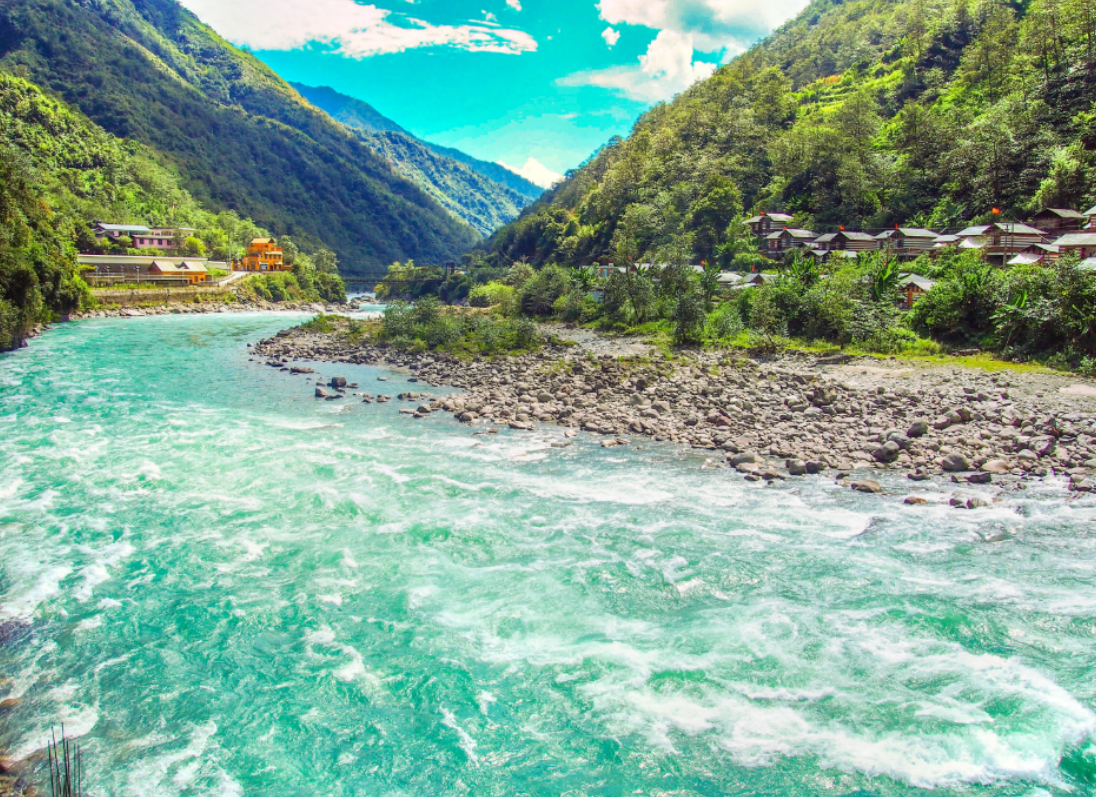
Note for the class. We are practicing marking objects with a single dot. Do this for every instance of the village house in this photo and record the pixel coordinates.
(1035, 254)
(163, 238)
(1090, 214)
(1001, 239)
(842, 240)
(768, 223)
(262, 255)
(777, 243)
(913, 287)
(1059, 221)
(946, 241)
(192, 271)
(1082, 244)
(908, 242)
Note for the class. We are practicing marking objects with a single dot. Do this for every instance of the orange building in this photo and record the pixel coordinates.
(262, 255)
(192, 271)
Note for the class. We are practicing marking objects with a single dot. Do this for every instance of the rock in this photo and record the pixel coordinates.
(888, 452)
(980, 478)
(338, 382)
(918, 429)
(959, 503)
(467, 417)
(525, 427)
(997, 466)
(771, 474)
(814, 466)
(746, 457)
(9, 704)
(955, 462)
(717, 419)
(917, 476)
(544, 397)
(1027, 456)
(976, 503)
(796, 467)
(913, 500)
(383, 399)
(867, 486)
(321, 393)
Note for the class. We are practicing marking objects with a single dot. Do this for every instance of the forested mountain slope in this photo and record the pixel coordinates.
(239, 136)
(58, 170)
(865, 114)
(485, 195)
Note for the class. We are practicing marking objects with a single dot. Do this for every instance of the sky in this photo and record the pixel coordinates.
(537, 85)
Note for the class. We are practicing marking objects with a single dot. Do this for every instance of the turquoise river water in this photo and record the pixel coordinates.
(226, 587)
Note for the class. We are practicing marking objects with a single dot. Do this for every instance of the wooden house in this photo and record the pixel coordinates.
(846, 241)
(1035, 254)
(263, 255)
(115, 231)
(1059, 221)
(913, 287)
(1082, 244)
(908, 242)
(768, 223)
(777, 243)
(1001, 239)
(1090, 214)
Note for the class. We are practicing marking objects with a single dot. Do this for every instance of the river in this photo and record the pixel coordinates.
(225, 586)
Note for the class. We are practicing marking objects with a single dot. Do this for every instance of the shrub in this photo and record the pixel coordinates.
(689, 318)
(540, 292)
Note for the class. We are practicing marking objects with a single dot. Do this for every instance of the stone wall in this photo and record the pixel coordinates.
(134, 297)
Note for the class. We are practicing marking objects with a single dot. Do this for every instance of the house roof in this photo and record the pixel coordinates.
(794, 232)
(924, 283)
(1027, 259)
(123, 228)
(1004, 226)
(166, 267)
(1088, 264)
(1091, 211)
(1077, 239)
(1062, 213)
(845, 253)
(261, 241)
(781, 217)
(907, 232)
(944, 240)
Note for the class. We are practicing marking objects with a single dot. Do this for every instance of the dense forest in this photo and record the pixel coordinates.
(864, 114)
(239, 137)
(468, 188)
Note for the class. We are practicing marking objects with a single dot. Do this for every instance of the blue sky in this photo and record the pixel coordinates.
(536, 84)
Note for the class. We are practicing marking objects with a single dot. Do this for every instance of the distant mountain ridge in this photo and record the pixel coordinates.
(239, 136)
(360, 115)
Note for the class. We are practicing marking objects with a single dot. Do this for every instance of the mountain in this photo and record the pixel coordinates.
(864, 113)
(485, 195)
(239, 137)
(349, 111)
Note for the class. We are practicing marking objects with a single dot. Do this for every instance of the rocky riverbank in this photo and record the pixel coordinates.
(767, 419)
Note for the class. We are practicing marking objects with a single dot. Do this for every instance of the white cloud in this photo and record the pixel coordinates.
(709, 20)
(353, 29)
(514, 4)
(666, 69)
(611, 36)
(536, 172)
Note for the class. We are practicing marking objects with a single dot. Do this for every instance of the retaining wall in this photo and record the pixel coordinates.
(137, 296)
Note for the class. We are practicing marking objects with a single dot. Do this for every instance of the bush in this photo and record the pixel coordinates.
(689, 318)
(725, 322)
(490, 295)
(540, 293)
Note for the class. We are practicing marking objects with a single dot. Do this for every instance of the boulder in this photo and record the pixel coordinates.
(745, 458)
(867, 486)
(997, 466)
(918, 429)
(814, 466)
(771, 474)
(913, 500)
(338, 382)
(888, 452)
(976, 503)
(980, 478)
(955, 462)
(796, 467)
(321, 393)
